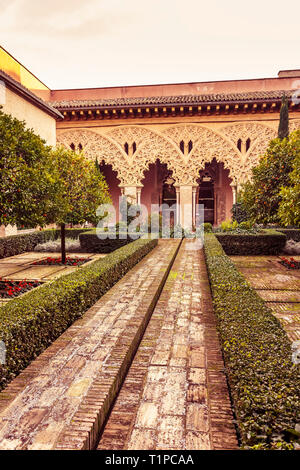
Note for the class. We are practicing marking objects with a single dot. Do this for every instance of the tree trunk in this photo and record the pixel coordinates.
(63, 242)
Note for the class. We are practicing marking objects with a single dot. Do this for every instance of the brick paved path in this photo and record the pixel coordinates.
(175, 394)
(62, 398)
(277, 285)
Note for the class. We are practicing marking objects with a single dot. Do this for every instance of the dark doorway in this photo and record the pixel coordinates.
(206, 197)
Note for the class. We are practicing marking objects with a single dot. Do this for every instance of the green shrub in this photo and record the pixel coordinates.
(17, 244)
(245, 225)
(265, 242)
(291, 233)
(228, 225)
(91, 243)
(30, 323)
(239, 212)
(207, 227)
(264, 383)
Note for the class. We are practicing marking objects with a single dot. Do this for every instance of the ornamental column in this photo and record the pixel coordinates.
(130, 192)
(194, 189)
(186, 206)
(177, 204)
(234, 192)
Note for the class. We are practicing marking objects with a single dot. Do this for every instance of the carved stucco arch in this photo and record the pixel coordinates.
(260, 135)
(207, 145)
(151, 145)
(98, 146)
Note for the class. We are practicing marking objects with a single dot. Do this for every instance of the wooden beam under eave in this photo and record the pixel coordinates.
(245, 108)
(82, 115)
(90, 114)
(165, 112)
(115, 114)
(181, 111)
(208, 109)
(66, 115)
(74, 115)
(156, 112)
(140, 113)
(227, 108)
(199, 109)
(254, 108)
(107, 114)
(131, 113)
(217, 111)
(148, 112)
(191, 111)
(123, 114)
(236, 108)
(173, 111)
(99, 114)
(263, 108)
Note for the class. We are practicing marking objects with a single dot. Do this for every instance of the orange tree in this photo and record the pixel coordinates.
(289, 206)
(79, 189)
(262, 195)
(26, 184)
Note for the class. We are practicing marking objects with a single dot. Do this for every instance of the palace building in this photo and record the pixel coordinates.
(187, 143)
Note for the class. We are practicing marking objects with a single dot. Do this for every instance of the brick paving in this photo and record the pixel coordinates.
(277, 285)
(62, 399)
(175, 394)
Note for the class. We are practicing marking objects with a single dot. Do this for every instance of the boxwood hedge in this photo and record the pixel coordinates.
(32, 322)
(264, 382)
(91, 243)
(267, 242)
(17, 244)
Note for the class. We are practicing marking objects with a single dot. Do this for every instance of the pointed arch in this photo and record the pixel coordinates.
(207, 144)
(96, 145)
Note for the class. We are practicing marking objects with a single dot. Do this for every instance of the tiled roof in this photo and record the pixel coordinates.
(173, 100)
(20, 89)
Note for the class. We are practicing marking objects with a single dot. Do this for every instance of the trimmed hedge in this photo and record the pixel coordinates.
(269, 242)
(90, 242)
(17, 244)
(264, 383)
(30, 323)
(290, 233)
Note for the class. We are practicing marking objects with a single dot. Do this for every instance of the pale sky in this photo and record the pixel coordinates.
(96, 43)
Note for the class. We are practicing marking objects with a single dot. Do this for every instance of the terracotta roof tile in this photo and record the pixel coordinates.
(173, 100)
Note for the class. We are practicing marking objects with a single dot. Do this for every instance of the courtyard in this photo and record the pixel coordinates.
(149, 230)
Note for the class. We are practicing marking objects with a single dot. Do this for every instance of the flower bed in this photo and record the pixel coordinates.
(290, 263)
(263, 381)
(50, 261)
(10, 289)
(30, 323)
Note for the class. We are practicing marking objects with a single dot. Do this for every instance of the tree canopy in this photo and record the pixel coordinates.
(40, 185)
(25, 180)
(262, 195)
